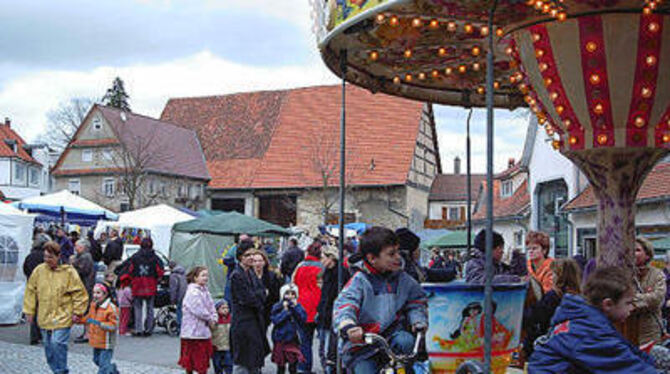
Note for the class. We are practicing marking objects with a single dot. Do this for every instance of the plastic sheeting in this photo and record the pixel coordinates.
(190, 250)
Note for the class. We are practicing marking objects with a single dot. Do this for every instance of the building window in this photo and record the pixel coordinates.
(507, 189)
(124, 207)
(34, 176)
(19, 172)
(518, 239)
(163, 189)
(107, 154)
(152, 187)
(87, 155)
(108, 185)
(454, 214)
(97, 123)
(74, 186)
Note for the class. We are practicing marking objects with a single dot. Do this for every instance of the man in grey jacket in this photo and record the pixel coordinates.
(178, 286)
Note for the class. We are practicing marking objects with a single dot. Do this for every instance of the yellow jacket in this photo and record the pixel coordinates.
(58, 295)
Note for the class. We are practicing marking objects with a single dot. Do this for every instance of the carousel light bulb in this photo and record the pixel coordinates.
(650, 60)
(509, 50)
(598, 109)
(484, 30)
(591, 47)
(652, 5)
(512, 79)
(374, 55)
(518, 76)
(462, 69)
(527, 99)
(548, 82)
(396, 79)
(422, 76)
(560, 109)
(556, 144)
(534, 107)
(451, 26)
(537, 37)
(496, 85)
(539, 4)
(601, 139)
(666, 138)
(546, 8)
(417, 22)
(435, 73)
(646, 92)
(407, 53)
(394, 21)
(646, 10)
(448, 71)
(573, 140)
(476, 51)
(480, 90)
(476, 66)
(554, 12)
(539, 53)
(442, 52)
(408, 77)
(594, 79)
(468, 28)
(543, 66)
(434, 23)
(562, 16)
(567, 123)
(541, 120)
(500, 32)
(380, 18)
(653, 27)
(523, 88)
(553, 96)
(639, 122)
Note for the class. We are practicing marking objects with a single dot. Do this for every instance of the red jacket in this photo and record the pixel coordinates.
(307, 276)
(145, 270)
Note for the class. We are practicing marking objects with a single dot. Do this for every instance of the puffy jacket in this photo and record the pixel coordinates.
(145, 269)
(307, 276)
(177, 285)
(379, 303)
(102, 322)
(583, 340)
(475, 270)
(288, 324)
(198, 310)
(56, 294)
(543, 274)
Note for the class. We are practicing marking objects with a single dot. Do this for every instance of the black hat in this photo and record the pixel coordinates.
(407, 240)
(480, 240)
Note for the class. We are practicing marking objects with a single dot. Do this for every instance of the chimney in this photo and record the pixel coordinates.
(510, 163)
(457, 165)
(8, 122)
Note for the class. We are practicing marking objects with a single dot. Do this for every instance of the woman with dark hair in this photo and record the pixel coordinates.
(145, 270)
(271, 282)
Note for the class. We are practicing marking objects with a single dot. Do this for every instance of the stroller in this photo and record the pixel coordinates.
(165, 311)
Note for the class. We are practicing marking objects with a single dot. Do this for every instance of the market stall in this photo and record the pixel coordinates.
(64, 206)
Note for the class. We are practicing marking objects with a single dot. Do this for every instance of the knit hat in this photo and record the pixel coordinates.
(220, 303)
(407, 240)
(286, 288)
(480, 240)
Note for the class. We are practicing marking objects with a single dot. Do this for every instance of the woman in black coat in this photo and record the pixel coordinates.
(270, 280)
(248, 295)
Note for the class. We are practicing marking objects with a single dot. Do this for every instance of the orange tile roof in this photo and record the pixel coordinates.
(271, 139)
(453, 187)
(7, 133)
(515, 205)
(654, 186)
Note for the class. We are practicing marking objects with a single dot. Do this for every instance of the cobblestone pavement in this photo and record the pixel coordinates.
(20, 359)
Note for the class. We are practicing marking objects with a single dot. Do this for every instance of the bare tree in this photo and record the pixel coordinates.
(63, 121)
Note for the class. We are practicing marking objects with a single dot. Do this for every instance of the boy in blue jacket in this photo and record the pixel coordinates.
(379, 298)
(583, 339)
(288, 318)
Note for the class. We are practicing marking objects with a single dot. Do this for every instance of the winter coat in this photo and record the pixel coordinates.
(221, 334)
(34, 258)
(538, 320)
(423, 274)
(583, 340)
(290, 259)
(197, 312)
(329, 291)
(125, 296)
(177, 284)
(543, 274)
(83, 263)
(102, 322)
(436, 263)
(66, 249)
(145, 269)
(379, 303)
(475, 270)
(247, 333)
(288, 323)
(452, 266)
(96, 249)
(113, 251)
(56, 294)
(272, 284)
(307, 276)
(648, 303)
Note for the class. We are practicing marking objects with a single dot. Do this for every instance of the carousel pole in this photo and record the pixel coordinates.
(469, 183)
(488, 287)
(343, 144)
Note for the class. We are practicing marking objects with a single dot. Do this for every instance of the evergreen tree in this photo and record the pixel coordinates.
(116, 96)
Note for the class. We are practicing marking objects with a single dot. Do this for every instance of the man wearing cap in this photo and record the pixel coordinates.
(475, 269)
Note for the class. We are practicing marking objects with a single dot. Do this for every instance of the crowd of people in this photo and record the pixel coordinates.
(568, 321)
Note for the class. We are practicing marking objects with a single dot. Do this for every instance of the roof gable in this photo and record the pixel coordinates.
(296, 128)
(504, 207)
(8, 134)
(453, 187)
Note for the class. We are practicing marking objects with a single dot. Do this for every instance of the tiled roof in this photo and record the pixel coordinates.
(272, 139)
(453, 187)
(511, 206)
(7, 133)
(656, 185)
(72, 172)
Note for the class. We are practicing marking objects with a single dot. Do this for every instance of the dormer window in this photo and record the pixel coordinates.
(97, 123)
(507, 189)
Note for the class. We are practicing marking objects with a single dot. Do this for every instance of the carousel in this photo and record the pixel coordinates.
(596, 73)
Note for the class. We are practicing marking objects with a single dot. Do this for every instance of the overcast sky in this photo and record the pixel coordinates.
(52, 51)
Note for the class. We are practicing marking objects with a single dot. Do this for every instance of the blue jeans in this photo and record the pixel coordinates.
(55, 348)
(401, 342)
(179, 314)
(306, 339)
(223, 362)
(103, 359)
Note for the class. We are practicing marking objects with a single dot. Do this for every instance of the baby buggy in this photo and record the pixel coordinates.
(165, 311)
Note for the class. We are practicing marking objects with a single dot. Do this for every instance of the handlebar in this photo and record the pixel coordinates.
(372, 338)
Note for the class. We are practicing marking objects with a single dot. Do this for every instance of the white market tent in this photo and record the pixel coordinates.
(16, 233)
(158, 219)
(64, 205)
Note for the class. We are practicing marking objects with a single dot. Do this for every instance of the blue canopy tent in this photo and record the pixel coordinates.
(63, 206)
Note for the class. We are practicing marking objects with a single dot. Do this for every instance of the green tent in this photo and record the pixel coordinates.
(205, 240)
(231, 223)
(454, 239)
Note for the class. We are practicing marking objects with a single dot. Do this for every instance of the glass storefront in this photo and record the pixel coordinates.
(551, 195)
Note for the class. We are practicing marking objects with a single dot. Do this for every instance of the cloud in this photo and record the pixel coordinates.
(27, 99)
